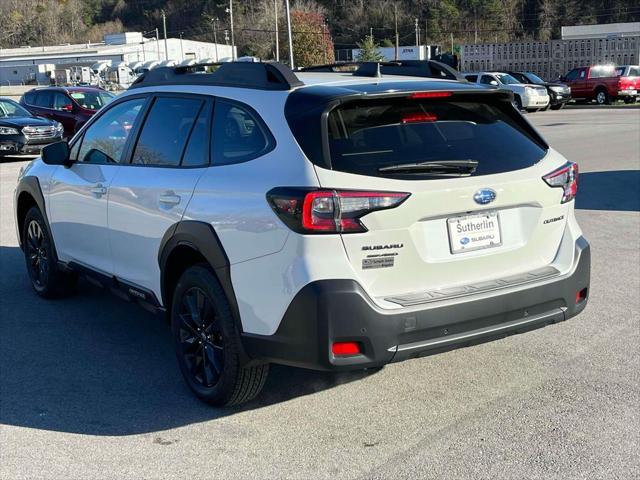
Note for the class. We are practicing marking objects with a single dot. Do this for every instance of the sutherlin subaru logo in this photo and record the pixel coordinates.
(484, 196)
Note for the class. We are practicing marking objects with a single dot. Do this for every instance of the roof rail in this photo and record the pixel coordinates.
(255, 75)
(411, 68)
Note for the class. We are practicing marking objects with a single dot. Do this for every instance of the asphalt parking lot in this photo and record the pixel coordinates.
(89, 387)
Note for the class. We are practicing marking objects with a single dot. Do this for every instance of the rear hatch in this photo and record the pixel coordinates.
(478, 213)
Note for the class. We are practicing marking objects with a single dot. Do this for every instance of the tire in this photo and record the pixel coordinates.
(560, 106)
(517, 103)
(630, 100)
(207, 342)
(602, 97)
(47, 279)
(545, 108)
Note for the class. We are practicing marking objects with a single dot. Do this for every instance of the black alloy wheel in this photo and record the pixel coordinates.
(37, 246)
(47, 278)
(201, 342)
(208, 344)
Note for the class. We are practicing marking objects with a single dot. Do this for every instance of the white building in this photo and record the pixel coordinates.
(617, 43)
(24, 64)
(608, 30)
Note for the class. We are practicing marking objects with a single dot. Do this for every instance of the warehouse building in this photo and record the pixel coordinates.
(617, 43)
(34, 64)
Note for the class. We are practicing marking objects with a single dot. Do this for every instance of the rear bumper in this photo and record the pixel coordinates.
(628, 93)
(330, 311)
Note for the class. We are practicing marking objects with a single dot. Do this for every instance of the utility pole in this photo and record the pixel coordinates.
(291, 64)
(181, 47)
(371, 32)
(275, 13)
(395, 20)
(215, 36)
(233, 44)
(451, 43)
(157, 45)
(475, 21)
(164, 27)
(417, 38)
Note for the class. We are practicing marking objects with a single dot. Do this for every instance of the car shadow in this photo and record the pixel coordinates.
(609, 190)
(97, 365)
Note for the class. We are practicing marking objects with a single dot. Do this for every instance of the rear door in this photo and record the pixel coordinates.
(150, 194)
(42, 103)
(477, 213)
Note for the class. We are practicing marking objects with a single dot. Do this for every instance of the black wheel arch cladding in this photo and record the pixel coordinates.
(30, 185)
(202, 238)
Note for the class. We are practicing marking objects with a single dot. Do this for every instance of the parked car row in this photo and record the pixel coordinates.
(45, 116)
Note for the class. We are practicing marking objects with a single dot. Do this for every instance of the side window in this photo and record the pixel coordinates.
(43, 99)
(73, 153)
(61, 101)
(105, 139)
(472, 78)
(29, 98)
(582, 74)
(239, 135)
(197, 151)
(572, 75)
(486, 79)
(165, 131)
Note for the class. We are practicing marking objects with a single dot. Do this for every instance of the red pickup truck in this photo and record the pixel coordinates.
(604, 83)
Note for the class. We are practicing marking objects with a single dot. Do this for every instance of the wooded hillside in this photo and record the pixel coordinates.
(34, 22)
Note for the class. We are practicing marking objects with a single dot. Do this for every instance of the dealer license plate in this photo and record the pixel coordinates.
(474, 232)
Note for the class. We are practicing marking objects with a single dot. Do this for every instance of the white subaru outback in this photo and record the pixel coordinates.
(323, 220)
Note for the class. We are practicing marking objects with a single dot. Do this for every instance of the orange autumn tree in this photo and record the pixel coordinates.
(312, 43)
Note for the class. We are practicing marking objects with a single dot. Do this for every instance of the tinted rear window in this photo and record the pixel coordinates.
(365, 136)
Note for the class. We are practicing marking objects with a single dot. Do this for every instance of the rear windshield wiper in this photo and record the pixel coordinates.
(438, 167)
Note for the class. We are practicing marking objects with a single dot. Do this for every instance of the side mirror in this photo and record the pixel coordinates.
(494, 83)
(67, 108)
(56, 154)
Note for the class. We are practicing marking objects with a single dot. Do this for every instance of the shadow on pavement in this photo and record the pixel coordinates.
(96, 365)
(609, 190)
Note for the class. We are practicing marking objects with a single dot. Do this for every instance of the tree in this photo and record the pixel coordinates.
(369, 50)
(312, 43)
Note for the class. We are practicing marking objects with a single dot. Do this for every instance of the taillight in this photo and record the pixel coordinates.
(329, 211)
(565, 177)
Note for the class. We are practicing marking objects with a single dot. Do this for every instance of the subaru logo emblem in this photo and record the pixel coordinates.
(484, 196)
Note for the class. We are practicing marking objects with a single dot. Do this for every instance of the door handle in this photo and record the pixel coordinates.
(169, 199)
(99, 190)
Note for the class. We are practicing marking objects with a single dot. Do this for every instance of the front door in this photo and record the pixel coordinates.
(78, 195)
(151, 194)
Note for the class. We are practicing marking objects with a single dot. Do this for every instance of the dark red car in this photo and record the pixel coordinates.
(71, 106)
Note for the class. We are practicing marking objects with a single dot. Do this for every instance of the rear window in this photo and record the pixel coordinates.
(633, 71)
(366, 136)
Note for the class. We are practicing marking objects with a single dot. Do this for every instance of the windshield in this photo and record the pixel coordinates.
(92, 100)
(9, 108)
(367, 136)
(507, 79)
(533, 78)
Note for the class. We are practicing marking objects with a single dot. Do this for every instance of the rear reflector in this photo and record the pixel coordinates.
(565, 177)
(581, 296)
(345, 348)
(430, 95)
